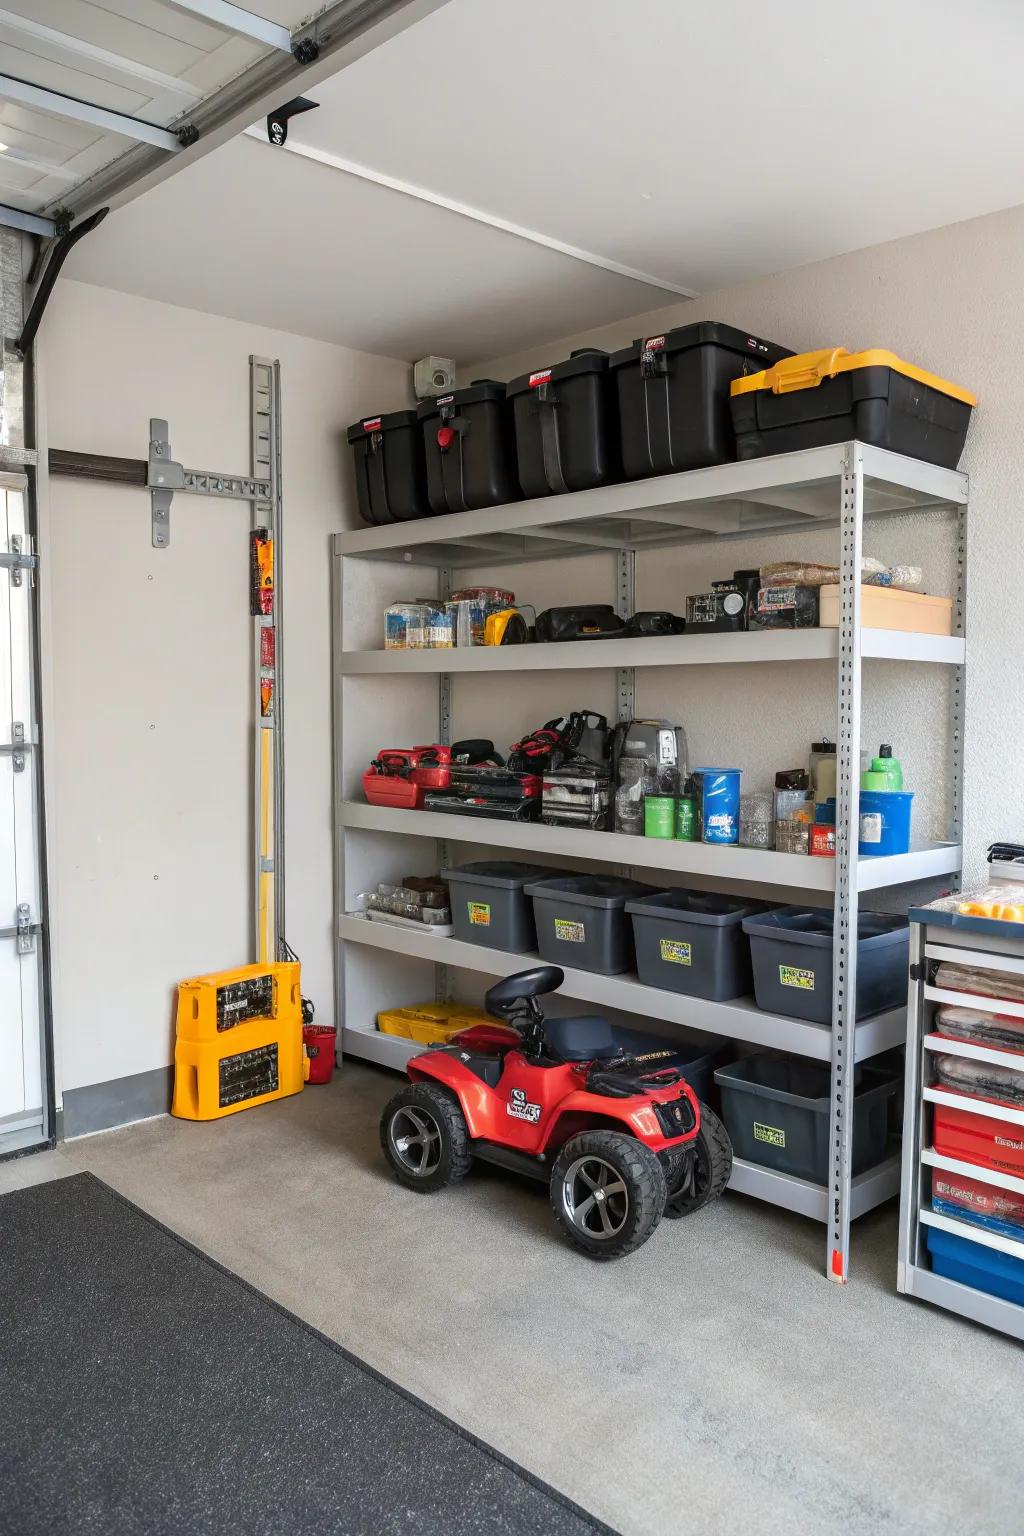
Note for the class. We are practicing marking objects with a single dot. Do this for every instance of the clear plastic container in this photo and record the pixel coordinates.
(757, 819)
(407, 627)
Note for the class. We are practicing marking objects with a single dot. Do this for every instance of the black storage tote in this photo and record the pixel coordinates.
(834, 396)
(674, 395)
(566, 425)
(467, 439)
(391, 474)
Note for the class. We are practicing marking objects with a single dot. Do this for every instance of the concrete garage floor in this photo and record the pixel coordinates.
(714, 1381)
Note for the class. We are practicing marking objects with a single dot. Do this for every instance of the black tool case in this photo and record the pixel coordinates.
(833, 396)
(470, 453)
(567, 425)
(391, 475)
(673, 395)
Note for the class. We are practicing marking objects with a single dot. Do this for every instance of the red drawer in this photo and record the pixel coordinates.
(979, 1139)
(975, 1198)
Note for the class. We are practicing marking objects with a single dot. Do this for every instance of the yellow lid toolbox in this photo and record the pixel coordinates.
(238, 1040)
(432, 1023)
(833, 396)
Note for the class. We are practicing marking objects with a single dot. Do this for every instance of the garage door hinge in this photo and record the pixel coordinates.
(17, 559)
(24, 930)
(18, 746)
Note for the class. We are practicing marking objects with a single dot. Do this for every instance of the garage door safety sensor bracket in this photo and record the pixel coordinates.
(164, 476)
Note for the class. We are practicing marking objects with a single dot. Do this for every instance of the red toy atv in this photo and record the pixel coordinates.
(620, 1140)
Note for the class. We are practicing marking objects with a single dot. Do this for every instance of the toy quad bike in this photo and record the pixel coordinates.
(620, 1140)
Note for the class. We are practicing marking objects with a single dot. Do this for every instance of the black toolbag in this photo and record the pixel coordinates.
(591, 621)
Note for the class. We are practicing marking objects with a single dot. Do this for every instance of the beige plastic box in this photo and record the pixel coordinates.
(886, 608)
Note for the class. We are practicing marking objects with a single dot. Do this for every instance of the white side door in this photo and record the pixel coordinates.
(22, 1119)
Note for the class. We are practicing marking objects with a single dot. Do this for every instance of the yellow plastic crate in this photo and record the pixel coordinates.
(211, 1006)
(239, 1041)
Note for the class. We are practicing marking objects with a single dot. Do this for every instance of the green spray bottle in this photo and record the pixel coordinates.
(885, 773)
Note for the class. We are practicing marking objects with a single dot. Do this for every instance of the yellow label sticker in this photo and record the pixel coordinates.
(479, 913)
(791, 976)
(769, 1133)
(676, 952)
(569, 933)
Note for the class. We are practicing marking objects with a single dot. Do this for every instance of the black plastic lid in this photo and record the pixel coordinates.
(706, 333)
(360, 429)
(583, 360)
(480, 389)
(885, 750)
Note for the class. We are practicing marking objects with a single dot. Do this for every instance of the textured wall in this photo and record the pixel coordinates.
(148, 737)
(950, 301)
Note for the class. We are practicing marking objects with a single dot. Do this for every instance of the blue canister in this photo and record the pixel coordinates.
(884, 821)
(719, 815)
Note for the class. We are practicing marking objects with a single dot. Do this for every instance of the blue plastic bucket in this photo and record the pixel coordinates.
(884, 821)
(719, 804)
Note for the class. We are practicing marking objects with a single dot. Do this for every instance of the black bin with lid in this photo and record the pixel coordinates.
(566, 421)
(470, 454)
(391, 474)
(673, 395)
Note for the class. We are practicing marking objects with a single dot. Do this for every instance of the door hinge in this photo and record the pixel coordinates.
(24, 930)
(917, 971)
(17, 748)
(17, 559)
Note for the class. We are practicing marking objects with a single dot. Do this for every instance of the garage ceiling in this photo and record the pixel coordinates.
(697, 144)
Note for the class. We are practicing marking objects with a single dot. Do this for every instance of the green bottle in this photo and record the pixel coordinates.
(885, 773)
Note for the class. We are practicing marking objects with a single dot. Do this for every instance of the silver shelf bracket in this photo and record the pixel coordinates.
(164, 476)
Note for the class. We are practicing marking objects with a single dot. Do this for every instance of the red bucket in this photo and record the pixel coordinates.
(319, 1042)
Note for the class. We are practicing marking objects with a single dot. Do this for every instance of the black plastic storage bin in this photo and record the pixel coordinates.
(835, 395)
(674, 395)
(470, 453)
(567, 425)
(791, 951)
(391, 472)
(693, 942)
(581, 921)
(490, 905)
(776, 1111)
(695, 1059)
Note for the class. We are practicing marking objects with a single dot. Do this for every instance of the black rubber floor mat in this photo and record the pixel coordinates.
(146, 1390)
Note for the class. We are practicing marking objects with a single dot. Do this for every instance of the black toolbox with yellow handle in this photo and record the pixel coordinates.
(833, 396)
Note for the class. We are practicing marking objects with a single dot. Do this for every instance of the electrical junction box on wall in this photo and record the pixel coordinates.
(433, 376)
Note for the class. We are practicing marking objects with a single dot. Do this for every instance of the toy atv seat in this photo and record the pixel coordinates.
(587, 1038)
(505, 994)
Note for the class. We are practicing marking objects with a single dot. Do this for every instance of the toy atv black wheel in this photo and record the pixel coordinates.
(424, 1137)
(696, 1178)
(607, 1192)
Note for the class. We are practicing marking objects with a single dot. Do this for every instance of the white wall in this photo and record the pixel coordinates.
(950, 301)
(148, 733)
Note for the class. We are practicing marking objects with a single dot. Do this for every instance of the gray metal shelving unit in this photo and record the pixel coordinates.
(837, 487)
(931, 943)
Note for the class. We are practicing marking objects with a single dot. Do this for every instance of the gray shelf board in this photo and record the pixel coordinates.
(739, 1019)
(978, 1306)
(767, 647)
(747, 866)
(809, 1199)
(723, 501)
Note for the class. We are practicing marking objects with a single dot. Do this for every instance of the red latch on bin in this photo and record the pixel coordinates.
(445, 438)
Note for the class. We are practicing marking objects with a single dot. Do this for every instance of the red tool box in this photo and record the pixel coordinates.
(396, 777)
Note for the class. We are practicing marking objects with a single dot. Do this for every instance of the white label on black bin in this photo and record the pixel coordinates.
(732, 603)
(666, 746)
(871, 827)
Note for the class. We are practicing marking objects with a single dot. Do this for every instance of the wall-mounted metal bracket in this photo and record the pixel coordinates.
(164, 476)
